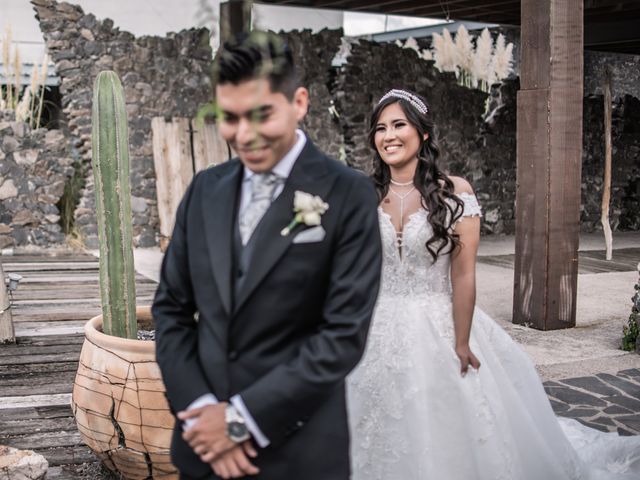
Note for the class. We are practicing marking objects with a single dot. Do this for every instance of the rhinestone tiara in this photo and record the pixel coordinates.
(409, 97)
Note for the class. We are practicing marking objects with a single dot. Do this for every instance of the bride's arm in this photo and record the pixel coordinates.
(463, 280)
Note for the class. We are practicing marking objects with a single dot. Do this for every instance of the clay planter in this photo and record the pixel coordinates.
(119, 404)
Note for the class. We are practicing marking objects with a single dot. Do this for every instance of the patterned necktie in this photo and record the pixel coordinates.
(262, 187)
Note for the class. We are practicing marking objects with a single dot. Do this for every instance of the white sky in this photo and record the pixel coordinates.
(366, 23)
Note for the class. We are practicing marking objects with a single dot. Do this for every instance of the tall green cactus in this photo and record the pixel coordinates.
(110, 161)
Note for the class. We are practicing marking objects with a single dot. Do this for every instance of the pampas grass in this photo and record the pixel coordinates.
(22, 108)
(426, 54)
(444, 52)
(7, 97)
(464, 55)
(502, 59)
(475, 67)
(27, 103)
(437, 47)
(482, 71)
(449, 59)
(412, 44)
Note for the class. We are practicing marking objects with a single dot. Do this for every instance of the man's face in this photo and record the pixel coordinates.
(259, 124)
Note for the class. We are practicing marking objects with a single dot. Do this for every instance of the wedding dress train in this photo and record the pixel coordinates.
(414, 417)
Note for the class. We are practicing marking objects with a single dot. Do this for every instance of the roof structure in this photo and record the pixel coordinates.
(609, 25)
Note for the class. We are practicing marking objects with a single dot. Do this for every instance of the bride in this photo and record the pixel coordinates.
(443, 392)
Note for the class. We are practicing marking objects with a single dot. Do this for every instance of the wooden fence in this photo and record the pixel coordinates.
(181, 147)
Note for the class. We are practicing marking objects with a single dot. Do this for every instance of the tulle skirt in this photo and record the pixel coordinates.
(413, 416)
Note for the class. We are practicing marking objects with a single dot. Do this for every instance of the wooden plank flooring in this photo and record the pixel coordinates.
(56, 297)
(590, 261)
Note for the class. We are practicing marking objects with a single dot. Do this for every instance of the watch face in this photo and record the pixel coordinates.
(237, 430)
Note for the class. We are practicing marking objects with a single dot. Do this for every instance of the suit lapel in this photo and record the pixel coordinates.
(219, 207)
(308, 175)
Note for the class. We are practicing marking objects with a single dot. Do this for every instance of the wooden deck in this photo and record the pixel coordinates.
(56, 296)
(591, 261)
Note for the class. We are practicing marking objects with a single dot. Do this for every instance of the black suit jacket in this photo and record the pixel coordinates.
(286, 340)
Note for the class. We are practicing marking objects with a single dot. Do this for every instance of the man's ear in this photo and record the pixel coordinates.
(301, 102)
(425, 137)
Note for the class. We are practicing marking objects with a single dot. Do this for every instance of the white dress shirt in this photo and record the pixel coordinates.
(282, 169)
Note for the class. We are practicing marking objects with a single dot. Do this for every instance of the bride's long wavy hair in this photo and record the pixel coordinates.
(434, 186)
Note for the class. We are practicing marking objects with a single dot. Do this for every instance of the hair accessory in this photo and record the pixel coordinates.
(409, 97)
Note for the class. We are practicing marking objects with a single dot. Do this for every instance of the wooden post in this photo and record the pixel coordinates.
(549, 157)
(235, 17)
(7, 333)
(606, 185)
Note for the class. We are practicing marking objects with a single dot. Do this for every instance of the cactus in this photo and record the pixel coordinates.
(110, 162)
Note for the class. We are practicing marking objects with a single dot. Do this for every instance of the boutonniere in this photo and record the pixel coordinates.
(308, 209)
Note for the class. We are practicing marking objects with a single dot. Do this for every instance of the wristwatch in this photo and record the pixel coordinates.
(237, 429)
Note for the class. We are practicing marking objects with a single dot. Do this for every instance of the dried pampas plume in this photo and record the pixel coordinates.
(17, 72)
(437, 48)
(450, 55)
(502, 59)
(6, 61)
(477, 67)
(482, 72)
(23, 107)
(412, 44)
(464, 55)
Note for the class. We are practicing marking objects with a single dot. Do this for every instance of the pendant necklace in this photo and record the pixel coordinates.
(401, 197)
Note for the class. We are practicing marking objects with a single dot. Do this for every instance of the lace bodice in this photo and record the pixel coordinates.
(412, 271)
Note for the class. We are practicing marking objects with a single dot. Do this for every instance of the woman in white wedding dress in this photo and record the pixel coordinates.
(442, 392)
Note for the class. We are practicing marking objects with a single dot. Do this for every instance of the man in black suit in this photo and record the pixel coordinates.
(261, 310)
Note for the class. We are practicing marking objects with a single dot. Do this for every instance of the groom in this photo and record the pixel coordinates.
(258, 324)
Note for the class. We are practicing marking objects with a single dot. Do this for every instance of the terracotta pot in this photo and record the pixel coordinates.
(119, 404)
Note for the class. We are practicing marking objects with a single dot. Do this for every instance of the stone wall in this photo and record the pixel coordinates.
(34, 167)
(313, 54)
(167, 76)
(170, 77)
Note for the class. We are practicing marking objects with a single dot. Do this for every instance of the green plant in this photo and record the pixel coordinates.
(631, 331)
(71, 195)
(110, 162)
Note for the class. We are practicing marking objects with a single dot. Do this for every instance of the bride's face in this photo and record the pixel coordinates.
(396, 140)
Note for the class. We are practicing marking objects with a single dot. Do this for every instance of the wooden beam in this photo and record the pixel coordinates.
(606, 184)
(7, 333)
(235, 17)
(486, 8)
(615, 4)
(380, 4)
(612, 32)
(549, 155)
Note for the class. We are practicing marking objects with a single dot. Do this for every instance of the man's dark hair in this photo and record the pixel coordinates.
(258, 55)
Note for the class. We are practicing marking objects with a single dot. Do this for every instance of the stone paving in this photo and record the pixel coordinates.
(610, 403)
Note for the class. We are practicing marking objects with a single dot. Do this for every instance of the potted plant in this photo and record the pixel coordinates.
(118, 396)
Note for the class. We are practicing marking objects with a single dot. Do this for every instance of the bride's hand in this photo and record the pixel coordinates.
(467, 358)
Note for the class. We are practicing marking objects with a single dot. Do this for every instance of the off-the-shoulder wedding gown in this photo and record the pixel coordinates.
(412, 415)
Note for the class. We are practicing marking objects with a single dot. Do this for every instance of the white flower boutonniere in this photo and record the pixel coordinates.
(308, 209)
